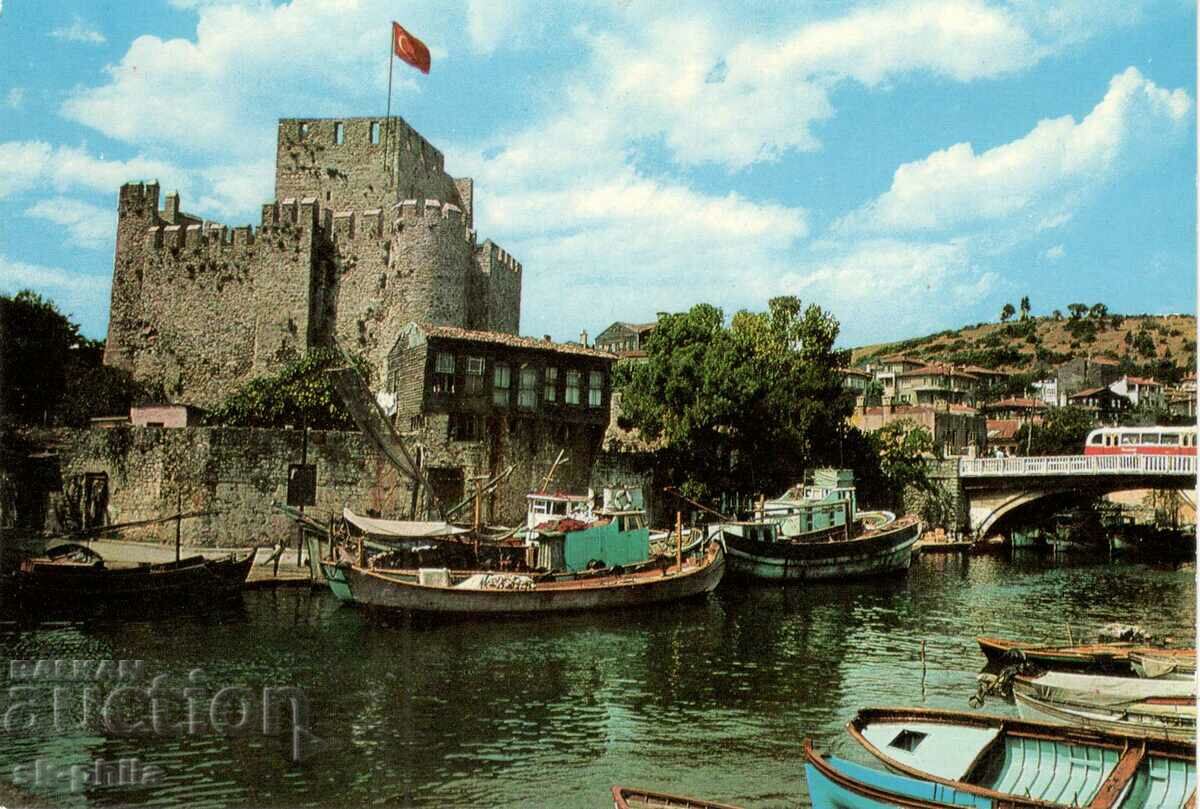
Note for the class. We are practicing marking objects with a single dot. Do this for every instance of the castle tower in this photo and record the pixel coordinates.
(137, 212)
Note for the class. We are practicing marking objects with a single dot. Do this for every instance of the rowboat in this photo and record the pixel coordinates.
(633, 798)
(1115, 658)
(1165, 664)
(76, 575)
(949, 758)
(1136, 707)
(482, 592)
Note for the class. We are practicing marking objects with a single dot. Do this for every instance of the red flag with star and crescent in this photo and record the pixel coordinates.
(409, 48)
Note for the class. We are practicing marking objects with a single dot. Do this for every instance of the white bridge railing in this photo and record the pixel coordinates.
(1077, 465)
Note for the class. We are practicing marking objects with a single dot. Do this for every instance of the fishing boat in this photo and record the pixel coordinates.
(75, 574)
(633, 798)
(1113, 658)
(949, 758)
(490, 592)
(816, 532)
(1136, 707)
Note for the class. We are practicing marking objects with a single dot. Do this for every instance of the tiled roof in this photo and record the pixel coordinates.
(975, 369)
(1092, 392)
(511, 340)
(901, 410)
(1137, 380)
(1015, 402)
(855, 372)
(1003, 429)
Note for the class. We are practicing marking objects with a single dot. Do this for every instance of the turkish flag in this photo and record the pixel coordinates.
(409, 48)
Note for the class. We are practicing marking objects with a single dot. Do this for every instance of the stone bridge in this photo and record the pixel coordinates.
(990, 488)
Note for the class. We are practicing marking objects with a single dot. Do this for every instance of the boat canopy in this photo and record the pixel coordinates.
(1059, 686)
(402, 529)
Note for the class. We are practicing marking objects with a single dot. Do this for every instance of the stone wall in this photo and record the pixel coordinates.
(201, 309)
(236, 474)
(354, 175)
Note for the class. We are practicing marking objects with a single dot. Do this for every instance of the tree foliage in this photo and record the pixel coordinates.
(35, 341)
(745, 407)
(1061, 433)
(1025, 308)
(903, 447)
(301, 392)
(1007, 312)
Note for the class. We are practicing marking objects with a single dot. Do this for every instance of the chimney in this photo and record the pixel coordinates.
(583, 338)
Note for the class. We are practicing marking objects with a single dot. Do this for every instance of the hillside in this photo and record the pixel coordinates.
(1163, 346)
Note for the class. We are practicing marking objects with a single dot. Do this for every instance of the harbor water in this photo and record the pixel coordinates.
(712, 697)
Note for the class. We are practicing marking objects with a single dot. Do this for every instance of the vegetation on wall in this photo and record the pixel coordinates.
(299, 393)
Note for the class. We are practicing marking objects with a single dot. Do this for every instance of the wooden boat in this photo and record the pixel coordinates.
(1165, 664)
(949, 758)
(1115, 658)
(815, 532)
(1152, 708)
(480, 593)
(759, 550)
(76, 575)
(633, 798)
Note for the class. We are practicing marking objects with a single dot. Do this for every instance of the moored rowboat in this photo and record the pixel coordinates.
(633, 798)
(1151, 708)
(1106, 657)
(943, 758)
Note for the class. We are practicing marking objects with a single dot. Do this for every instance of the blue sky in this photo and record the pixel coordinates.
(910, 165)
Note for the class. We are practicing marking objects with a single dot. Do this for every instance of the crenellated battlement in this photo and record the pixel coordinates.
(138, 196)
(494, 255)
(431, 211)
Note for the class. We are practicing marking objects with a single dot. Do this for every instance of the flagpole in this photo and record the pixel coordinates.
(388, 118)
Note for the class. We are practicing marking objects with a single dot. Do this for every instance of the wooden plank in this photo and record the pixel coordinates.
(1114, 786)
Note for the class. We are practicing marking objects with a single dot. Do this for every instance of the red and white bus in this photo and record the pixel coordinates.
(1141, 441)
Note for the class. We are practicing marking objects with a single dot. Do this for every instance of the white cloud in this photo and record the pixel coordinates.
(1054, 253)
(74, 293)
(36, 165)
(79, 31)
(1036, 179)
(490, 22)
(90, 226)
(15, 98)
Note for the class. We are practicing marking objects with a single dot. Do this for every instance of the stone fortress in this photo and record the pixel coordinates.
(367, 233)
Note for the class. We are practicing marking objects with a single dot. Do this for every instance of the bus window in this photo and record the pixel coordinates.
(1129, 439)
(1170, 439)
(1149, 438)
(1108, 440)
(1097, 439)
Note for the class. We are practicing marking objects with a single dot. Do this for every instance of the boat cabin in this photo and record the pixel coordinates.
(826, 500)
(608, 537)
(543, 508)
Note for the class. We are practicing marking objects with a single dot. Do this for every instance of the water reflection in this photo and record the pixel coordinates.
(711, 697)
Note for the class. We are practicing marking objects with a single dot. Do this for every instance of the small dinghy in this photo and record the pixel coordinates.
(634, 798)
(950, 758)
(1154, 708)
(1164, 664)
(1108, 658)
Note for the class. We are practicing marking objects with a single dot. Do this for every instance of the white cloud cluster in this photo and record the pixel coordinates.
(35, 165)
(1035, 179)
(15, 98)
(73, 292)
(90, 226)
(79, 31)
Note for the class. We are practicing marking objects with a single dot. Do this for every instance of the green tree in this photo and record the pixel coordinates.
(1024, 307)
(36, 341)
(1007, 312)
(1077, 310)
(904, 448)
(1061, 433)
(741, 408)
(1098, 310)
(1057, 314)
(301, 392)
